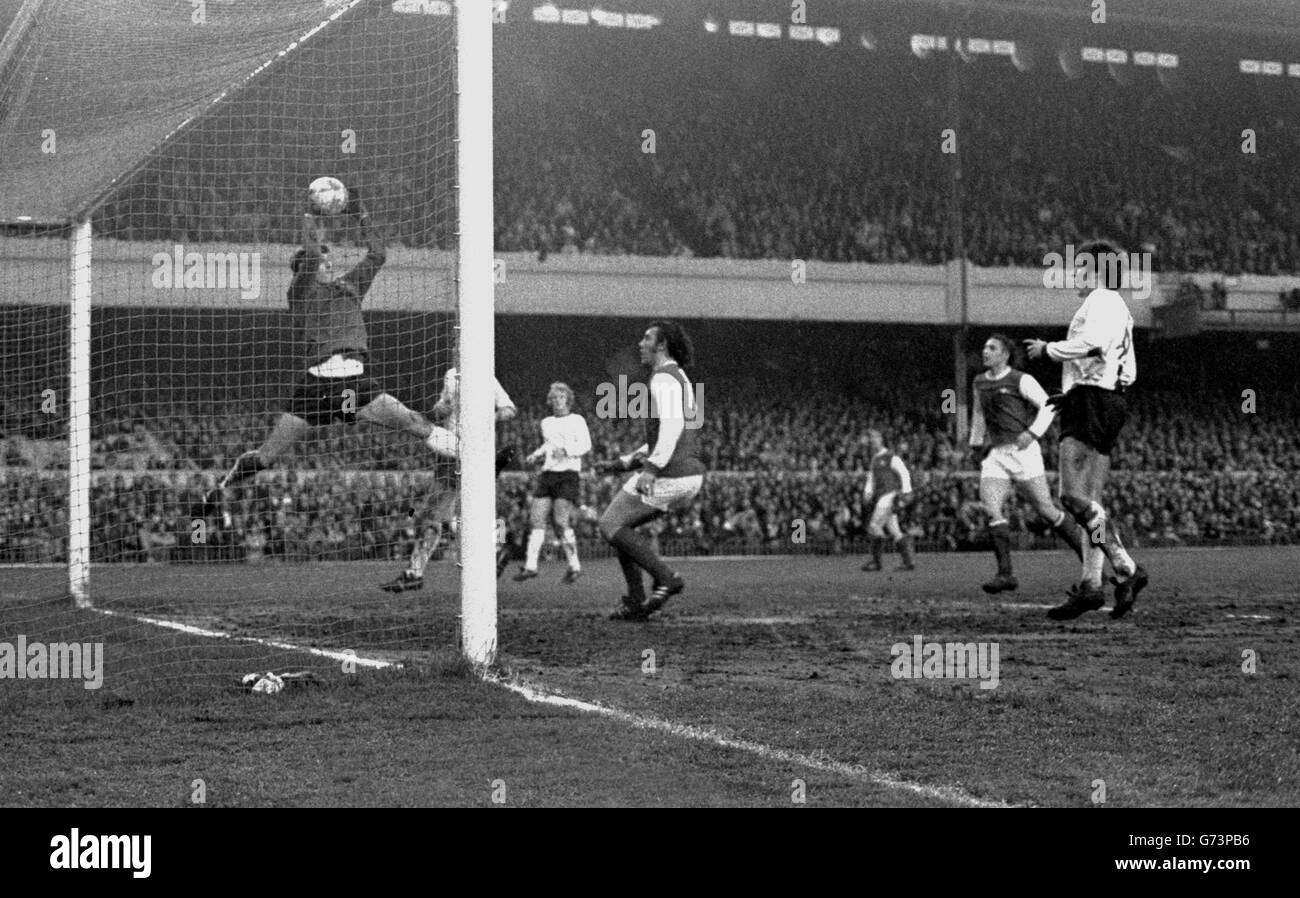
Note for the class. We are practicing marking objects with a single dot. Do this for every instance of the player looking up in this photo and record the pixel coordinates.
(671, 473)
(1009, 416)
(1097, 366)
(565, 440)
(888, 487)
(334, 385)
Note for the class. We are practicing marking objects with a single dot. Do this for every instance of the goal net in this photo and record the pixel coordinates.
(157, 162)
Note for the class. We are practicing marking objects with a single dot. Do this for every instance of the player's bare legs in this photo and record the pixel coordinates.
(884, 525)
(387, 411)
(568, 539)
(287, 430)
(993, 496)
(539, 513)
(1039, 496)
(1083, 480)
(617, 526)
(994, 492)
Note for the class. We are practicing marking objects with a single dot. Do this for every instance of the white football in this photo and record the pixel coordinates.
(328, 196)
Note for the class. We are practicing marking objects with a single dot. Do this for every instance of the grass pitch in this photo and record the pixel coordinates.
(788, 654)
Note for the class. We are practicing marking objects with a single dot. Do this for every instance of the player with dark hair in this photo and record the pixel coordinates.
(1098, 365)
(888, 490)
(565, 440)
(1009, 416)
(334, 385)
(670, 471)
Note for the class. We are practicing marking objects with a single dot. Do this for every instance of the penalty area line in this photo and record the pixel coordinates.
(192, 630)
(951, 794)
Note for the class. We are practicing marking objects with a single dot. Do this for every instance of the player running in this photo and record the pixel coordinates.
(671, 473)
(444, 505)
(565, 440)
(888, 490)
(1097, 366)
(334, 386)
(1009, 416)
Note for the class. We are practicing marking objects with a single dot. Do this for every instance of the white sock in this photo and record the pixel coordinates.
(443, 442)
(535, 539)
(1119, 558)
(1122, 562)
(570, 543)
(1093, 561)
(423, 550)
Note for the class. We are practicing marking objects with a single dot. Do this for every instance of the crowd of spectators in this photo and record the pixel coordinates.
(144, 517)
(1191, 467)
(609, 153)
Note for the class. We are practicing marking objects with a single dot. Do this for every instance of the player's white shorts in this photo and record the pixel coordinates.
(444, 442)
(1006, 462)
(883, 518)
(670, 492)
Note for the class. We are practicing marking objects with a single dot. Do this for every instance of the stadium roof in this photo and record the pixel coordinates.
(1259, 17)
(1237, 15)
(89, 88)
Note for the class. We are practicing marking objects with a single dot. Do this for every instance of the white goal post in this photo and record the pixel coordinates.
(116, 290)
(475, 347)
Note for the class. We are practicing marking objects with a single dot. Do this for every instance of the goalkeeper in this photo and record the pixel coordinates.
(334, 385)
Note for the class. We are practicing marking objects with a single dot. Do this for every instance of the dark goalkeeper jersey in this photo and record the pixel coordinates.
(328, 316)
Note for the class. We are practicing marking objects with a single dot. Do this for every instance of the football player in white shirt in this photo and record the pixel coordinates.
(443, 441)
(1097, 366)
(565, 440)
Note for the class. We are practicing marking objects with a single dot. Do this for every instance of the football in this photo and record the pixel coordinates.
(328, 196)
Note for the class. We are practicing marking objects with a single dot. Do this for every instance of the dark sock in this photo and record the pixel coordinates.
(904, 544)
(245, 467)
(1001, 533)
(877, 547)
(1068, 530)
(632, 574)
(505, 456)
(638, 547)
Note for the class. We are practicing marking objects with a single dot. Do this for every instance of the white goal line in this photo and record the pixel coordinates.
(950, 794)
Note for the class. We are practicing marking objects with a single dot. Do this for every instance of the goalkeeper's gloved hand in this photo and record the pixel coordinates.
(1055, 401)
(354, 203)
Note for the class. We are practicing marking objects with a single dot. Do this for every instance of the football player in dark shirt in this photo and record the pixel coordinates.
(1009, 416)
(334, 384)
(671, 473)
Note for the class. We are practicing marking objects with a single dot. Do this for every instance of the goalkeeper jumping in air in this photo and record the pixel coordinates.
(334, 385)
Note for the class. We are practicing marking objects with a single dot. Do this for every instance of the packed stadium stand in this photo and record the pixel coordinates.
(786, 409)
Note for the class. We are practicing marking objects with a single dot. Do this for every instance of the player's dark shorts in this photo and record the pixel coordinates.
(1094, 417)
(557, 485)
(320, 400)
